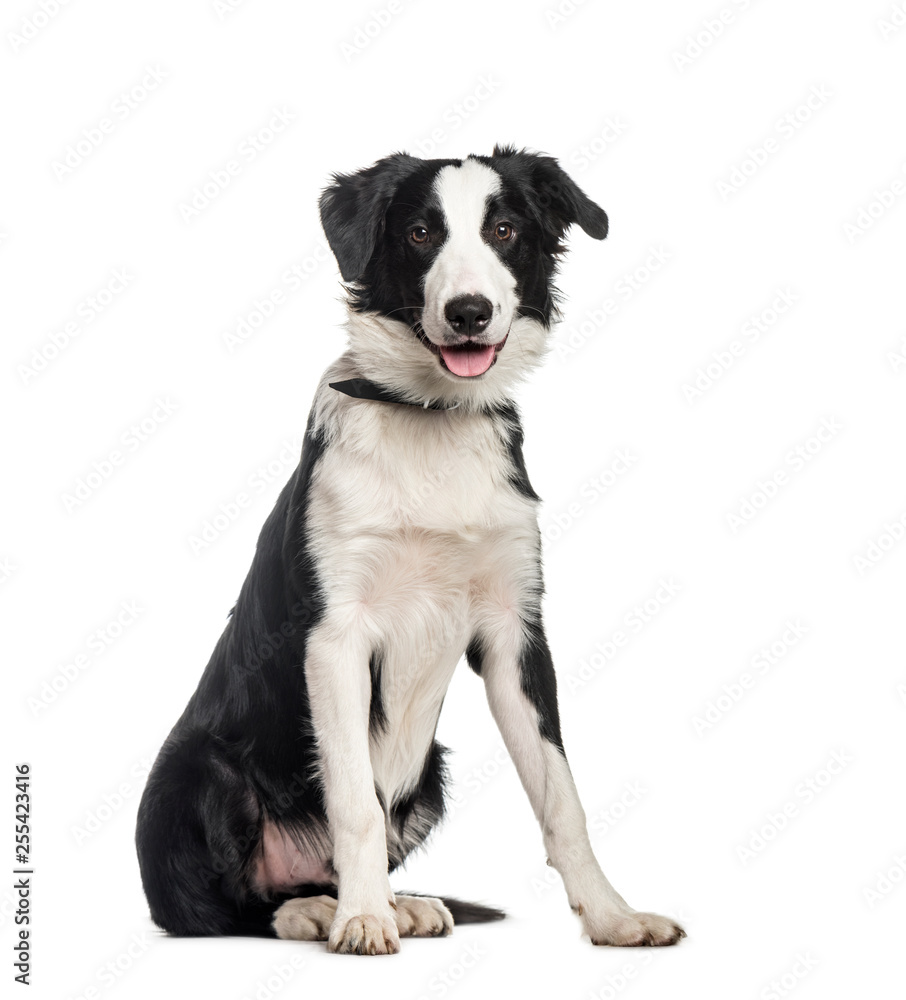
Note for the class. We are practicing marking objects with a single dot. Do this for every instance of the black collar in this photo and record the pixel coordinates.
(363, 388)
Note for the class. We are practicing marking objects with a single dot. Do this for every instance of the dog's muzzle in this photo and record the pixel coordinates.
(464, 351)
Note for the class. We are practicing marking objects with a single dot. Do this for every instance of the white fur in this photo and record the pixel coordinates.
(466, 265)
(336, 670)
(307, 918)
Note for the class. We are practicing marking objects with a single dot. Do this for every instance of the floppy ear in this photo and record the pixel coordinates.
(559, 201)
(353, 210)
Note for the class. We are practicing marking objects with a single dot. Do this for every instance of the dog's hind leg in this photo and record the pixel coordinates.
(422, 916)
(197, 832)
(305, 919)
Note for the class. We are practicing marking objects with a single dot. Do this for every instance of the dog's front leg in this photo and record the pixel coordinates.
(339, 687)
(521, 689)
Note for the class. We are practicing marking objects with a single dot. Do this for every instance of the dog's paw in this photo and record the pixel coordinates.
(422, 916)
(364, 934)
(305, 919)
(632, 929)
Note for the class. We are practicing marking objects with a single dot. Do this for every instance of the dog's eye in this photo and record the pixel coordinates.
(504, 231)
(419, 235)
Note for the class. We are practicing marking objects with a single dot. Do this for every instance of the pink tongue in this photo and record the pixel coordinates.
(468, 362)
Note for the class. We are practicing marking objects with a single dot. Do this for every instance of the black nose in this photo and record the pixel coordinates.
(468, 313)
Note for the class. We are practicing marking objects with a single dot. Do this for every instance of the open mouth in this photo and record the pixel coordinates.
(467, 359)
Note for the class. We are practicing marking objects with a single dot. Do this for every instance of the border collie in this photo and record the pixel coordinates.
(304, 768)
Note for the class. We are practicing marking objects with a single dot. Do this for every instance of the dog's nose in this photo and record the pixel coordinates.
(468, 313)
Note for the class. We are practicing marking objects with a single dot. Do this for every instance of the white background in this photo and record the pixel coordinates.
(718, 203)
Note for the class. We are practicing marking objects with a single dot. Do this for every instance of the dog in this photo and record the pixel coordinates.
(305, 767)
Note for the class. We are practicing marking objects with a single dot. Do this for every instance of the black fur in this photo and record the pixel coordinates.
(237, 754)
(243, 752)
(385, 272)
(475, 653)
(366, 216)
(377, 720)
(353, 210)
(514, 438)
(539, 682)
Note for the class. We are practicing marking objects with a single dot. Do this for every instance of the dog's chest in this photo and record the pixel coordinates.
(414, 520)
(394, 471)
(412, 516)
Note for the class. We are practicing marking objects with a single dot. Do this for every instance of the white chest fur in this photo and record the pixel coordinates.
(416, 529)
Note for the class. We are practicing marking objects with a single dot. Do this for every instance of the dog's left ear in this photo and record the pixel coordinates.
(556, 197)
(353, 210)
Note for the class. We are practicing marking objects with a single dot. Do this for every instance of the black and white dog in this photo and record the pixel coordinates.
(305, 766)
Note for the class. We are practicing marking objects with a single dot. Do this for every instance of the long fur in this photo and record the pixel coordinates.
(305, 767)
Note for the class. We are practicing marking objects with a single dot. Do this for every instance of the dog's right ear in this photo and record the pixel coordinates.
(353, 210)
(555, 197)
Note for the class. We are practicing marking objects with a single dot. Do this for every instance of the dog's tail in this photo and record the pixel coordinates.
(468, 913)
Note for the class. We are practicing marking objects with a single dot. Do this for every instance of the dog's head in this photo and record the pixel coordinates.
(450, 265)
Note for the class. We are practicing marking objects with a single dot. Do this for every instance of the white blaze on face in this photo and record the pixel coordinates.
(466, 265)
